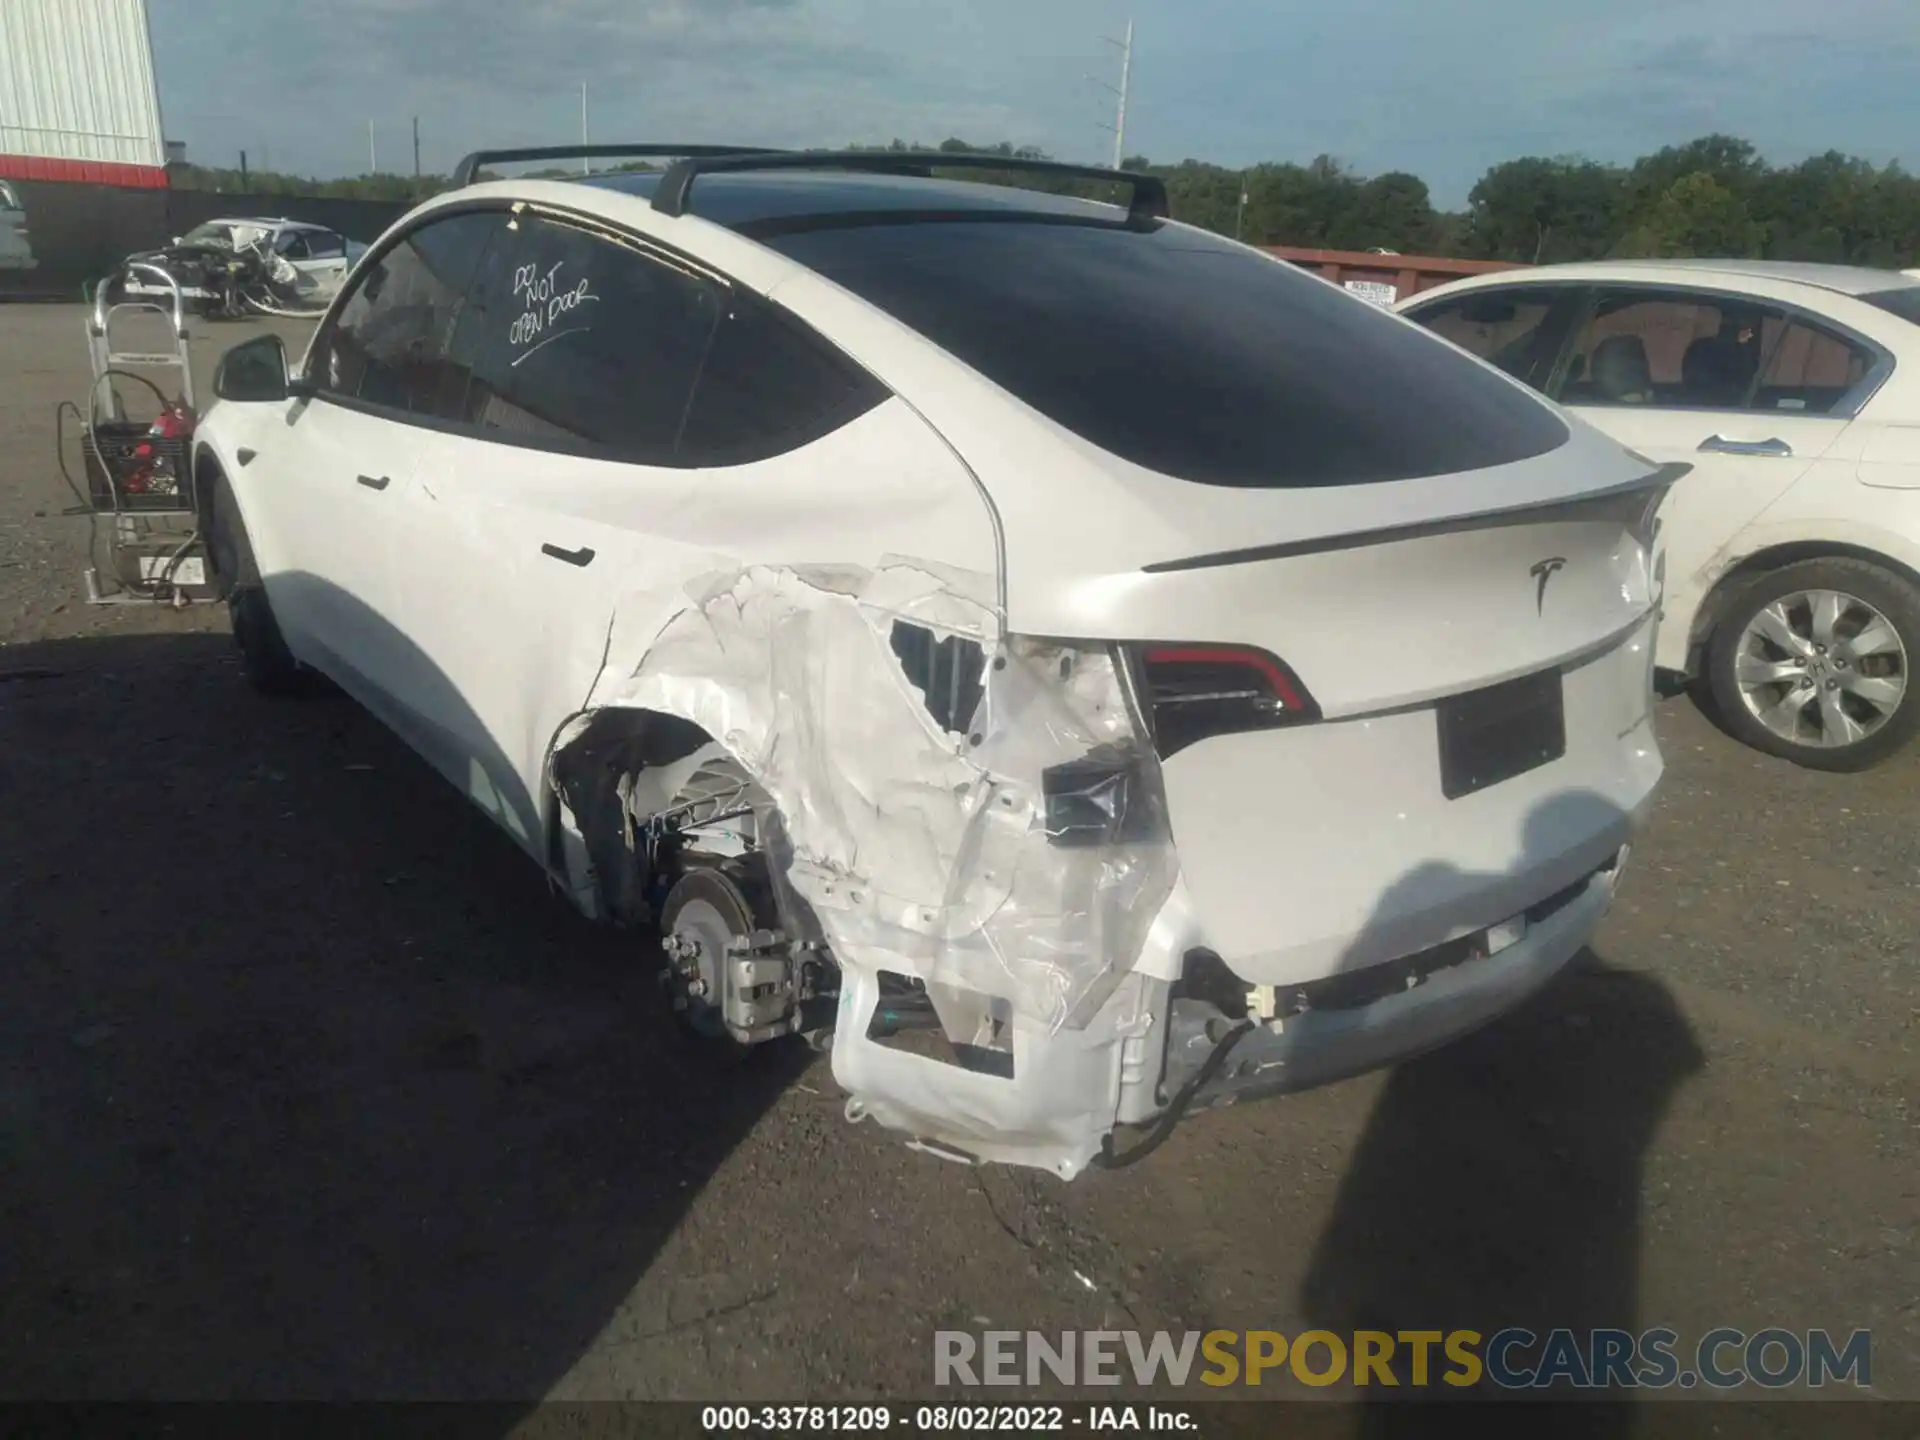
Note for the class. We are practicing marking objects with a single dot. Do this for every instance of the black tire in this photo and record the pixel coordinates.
(1898, 602)
(264, 657)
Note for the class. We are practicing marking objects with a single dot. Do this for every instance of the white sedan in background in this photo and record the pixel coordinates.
(1793, 593)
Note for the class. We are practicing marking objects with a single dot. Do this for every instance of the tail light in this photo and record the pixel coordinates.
(1193, 692)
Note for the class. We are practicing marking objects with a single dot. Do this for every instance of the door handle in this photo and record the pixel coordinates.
(375, 482)
(1721, 445)
(572, 557)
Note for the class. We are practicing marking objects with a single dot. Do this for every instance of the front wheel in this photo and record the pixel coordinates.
(1812, 663)
(264, 657)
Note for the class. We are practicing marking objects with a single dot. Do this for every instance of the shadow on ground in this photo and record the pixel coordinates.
(1498, 1183)
(308, 1088)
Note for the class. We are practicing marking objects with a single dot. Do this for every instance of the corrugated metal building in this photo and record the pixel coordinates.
(77, 95)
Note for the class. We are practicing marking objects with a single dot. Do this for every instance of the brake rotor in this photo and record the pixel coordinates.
(705, 912)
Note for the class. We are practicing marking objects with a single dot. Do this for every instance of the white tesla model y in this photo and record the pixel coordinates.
(1077, 668)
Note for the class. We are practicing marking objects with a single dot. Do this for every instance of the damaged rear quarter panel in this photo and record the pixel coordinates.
(518, 638)
(922, 850)
(760, 602)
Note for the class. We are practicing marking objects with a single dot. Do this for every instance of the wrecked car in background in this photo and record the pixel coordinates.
(16, 247)
(231, 268)
(1017, 643)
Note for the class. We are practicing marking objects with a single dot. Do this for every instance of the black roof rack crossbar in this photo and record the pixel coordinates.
(1148, 202)
(465, 171)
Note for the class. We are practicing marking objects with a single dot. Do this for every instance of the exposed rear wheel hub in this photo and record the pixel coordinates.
(732, 972)
(696, 948)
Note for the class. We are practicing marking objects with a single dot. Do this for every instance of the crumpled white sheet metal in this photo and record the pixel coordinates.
(920, 851)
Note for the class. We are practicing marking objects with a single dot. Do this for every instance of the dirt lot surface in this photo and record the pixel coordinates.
(308, 1088)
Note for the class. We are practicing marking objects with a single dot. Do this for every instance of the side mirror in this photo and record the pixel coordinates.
(255, 372)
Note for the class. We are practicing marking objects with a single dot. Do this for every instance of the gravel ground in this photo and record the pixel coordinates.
(308, 1088)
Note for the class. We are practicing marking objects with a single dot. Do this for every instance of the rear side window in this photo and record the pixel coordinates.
(1186, 354)
(1506, 328)
(1674, 349)
(576, 337)
(769, 385)
(1706, 351)
(592, 341)
(387, 347)
(1807, 369)
(559, 333)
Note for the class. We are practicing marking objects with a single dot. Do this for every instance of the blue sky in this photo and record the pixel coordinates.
(1443, 90)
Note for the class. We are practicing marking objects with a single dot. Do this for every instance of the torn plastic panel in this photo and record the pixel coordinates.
(921, 850)
(974, 812)
(604, 754)
(949, 672)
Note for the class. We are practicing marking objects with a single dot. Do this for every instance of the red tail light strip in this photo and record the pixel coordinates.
(1279, 683)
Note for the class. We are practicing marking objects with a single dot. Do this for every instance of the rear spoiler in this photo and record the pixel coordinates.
(1654, 484)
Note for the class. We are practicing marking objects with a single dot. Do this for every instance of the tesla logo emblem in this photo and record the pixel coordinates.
(1544, 571)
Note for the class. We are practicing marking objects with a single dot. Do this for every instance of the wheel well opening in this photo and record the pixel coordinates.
(592, 776)
(1763, 562)
(679, 838)
(206, 476)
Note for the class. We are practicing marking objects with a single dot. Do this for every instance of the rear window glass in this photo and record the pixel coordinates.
(1187, 354)
(1904, 302)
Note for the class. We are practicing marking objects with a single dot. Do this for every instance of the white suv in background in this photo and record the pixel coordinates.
(1794, 392)
(1076, 667)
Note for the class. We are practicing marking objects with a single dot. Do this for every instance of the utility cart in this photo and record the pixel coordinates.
(139, 488)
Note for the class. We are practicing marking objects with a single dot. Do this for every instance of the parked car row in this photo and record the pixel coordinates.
(1072, 667)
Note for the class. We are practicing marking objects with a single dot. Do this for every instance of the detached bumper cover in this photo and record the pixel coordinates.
(1320, 1047)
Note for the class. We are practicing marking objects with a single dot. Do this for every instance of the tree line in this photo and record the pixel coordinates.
(1714, 196)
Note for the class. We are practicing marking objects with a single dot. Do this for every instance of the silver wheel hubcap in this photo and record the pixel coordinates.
(1821, 668)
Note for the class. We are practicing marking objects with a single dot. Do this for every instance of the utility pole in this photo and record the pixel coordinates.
(1240, 214)
(416, 147)
(1119, 126)
(1126, 87)
(373, 155)
(586, 163)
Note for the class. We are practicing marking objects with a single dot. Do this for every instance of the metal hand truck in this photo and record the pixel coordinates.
(140, 487)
